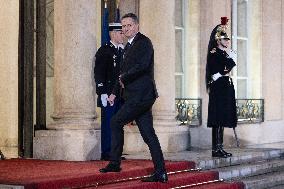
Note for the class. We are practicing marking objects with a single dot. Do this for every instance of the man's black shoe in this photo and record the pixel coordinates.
(111, 167)
(107, 158)
(156, 178)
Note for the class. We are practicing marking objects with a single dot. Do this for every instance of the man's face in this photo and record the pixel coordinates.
(117, 37)
(225, 42)
(129, 27)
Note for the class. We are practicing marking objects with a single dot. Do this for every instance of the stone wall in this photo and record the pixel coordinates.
(9, 27)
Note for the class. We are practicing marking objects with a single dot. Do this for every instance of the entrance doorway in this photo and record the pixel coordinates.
(32, 66)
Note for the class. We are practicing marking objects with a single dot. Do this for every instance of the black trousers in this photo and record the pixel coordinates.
(141, 112)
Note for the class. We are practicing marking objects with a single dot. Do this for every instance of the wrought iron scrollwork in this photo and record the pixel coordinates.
(250, 110)
(189, 111)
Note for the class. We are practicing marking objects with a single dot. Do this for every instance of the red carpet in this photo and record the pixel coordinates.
(43, 174)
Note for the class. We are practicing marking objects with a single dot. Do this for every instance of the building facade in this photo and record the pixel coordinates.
(179, 30)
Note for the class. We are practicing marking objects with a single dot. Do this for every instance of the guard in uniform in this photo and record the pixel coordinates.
(222, 103)
(107, 69)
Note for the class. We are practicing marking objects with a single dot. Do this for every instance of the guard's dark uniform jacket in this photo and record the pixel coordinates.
(222, 102)
(107, 66)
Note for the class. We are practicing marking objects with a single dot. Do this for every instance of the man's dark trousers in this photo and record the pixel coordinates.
(106, 115)
(142, 114)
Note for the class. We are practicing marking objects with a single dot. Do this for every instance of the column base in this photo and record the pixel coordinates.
(75, 145)
(173, 138)
(73, 121)
(10, 152)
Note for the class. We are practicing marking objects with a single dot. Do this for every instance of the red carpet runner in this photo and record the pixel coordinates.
(40, 174)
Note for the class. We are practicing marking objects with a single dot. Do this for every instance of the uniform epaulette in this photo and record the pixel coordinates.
(213, 50)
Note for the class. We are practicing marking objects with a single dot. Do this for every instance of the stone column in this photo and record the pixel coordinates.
(9, 32)
(74, 134)
(157, 22)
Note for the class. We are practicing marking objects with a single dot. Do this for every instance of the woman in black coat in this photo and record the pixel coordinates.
(222, 102)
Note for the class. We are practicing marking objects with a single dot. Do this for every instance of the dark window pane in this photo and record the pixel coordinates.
(242, 18)
(178, 13)
(178, 63)
(242, 88)
(242, 58)
(178, 84)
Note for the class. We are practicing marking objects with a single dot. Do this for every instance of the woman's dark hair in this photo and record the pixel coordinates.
(131, 15)
(212, 44)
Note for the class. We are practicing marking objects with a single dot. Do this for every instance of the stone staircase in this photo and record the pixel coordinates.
(264, 169)
(259, 168)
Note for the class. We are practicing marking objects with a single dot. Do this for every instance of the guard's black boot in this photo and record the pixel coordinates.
(221, 135)
(216, 144)
(219, 153)
(227, 153)
(214, 139)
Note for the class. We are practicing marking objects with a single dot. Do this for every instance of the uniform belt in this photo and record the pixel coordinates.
(224, 76)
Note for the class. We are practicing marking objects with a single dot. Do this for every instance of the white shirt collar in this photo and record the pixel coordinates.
(113, 44)
(120, 46)
(117, 46)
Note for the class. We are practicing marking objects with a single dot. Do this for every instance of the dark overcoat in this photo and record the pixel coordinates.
(137, 71)
(222, 102)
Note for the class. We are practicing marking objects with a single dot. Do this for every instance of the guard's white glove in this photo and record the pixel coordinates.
(216, 76)
(104, 98)
(233, 55)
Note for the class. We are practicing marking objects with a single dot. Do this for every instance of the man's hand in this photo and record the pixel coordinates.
(104, 98)
(111, 99)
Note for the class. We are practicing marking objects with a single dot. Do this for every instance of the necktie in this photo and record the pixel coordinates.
(119, 52)
(125, 49)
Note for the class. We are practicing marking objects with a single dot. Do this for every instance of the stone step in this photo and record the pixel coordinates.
(246, 156)
(4, 186)
(274, 180)
(277, 187)
(251, 169)
(246, 163)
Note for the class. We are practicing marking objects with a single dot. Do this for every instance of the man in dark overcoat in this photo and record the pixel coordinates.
(139, 92)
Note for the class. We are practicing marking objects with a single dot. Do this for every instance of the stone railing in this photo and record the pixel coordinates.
(189, 111)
